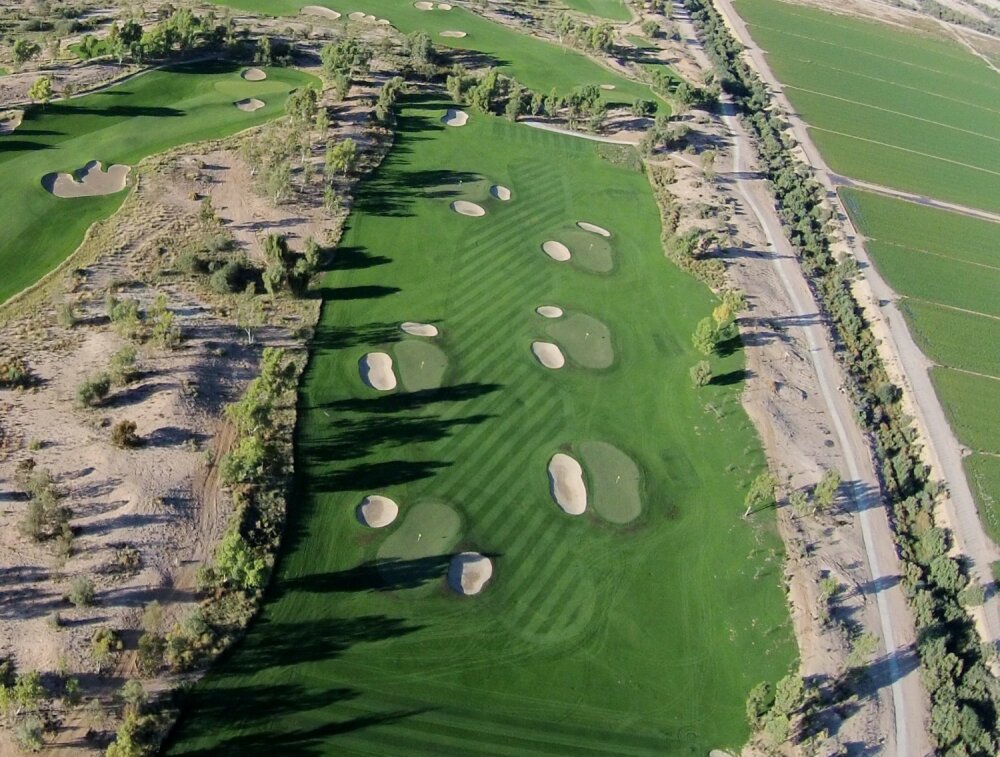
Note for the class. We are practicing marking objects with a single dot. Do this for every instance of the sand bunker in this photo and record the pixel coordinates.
(251, 104)
(319, 10)
(500, 192)
(548, 355)
(608, 87)
(384, 22)
(377, 511)
(10, 120)
(419, 329)
(556, 251)
(549, 311)
(566, 484)
(593, 229)
(469, 572)
(453, 34)
(455, 117)
(91, 181)
(467, 208)
(423, 6)
(254, 74)
(376, 371)
(444, 6)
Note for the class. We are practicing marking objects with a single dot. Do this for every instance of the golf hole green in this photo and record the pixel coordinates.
(590, 251)
(614, 482)
(421, 365)
(584, 339)
(420, 548)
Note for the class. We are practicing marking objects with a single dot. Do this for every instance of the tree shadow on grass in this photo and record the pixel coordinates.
(375, 575)
(343, 337)
(355, 258)
(394, 403)
(365, 292)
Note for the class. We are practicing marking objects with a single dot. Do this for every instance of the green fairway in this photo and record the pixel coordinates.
(536, 63)
(973, 407)
(140, 117)
(983, 472)
(893, 107)
(637, 628)
(613, 10)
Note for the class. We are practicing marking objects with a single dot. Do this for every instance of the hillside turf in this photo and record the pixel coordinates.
(634, 629)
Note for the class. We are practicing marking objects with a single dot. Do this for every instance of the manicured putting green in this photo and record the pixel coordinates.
(590, 637)
(584, 340)
(613, 482)
(591, 252)
(420, 364)
(145, 115)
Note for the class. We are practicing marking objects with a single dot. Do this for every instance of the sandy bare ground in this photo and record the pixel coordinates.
(319, 10)
(566, 484)
(250, 104)
(254, 74)
(469, 572)
(556, 250)
(455, 117)
(593, 228)
(466, 208)
(453, 34)
(500, 192)
(419, 329)
(9, 121)
(83, 77)
(90, 181)
(377, 511)
(549, 311)
(548, 355)
(376, 371)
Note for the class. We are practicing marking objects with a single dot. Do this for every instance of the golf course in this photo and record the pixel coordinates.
(499, 392)
(120, 125)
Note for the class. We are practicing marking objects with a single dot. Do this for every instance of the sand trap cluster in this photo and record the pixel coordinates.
(455, 117)
(10, 120)
(500, 192)
(453, 34)
(556, 251)
(467, 208)
(593, 229)
(444, 6)
(548, 355)
(419, 329)
(469, 572)
(250, 104)
(89, 182)
(254, 74)
(549, 311)
(376, 371)
(566, 484)
(319, 10)
(376, 511)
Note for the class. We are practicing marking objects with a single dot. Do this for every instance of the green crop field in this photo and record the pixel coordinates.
(614, 10)
(140, 117)
(893, 107)
(954, 338)
(637, 628)
(973, 406)
(536, 63)
(984, 478)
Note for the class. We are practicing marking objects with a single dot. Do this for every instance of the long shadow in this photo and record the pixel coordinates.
(366, 292)
(367, 477)
(395, 403)
(342, 337)
(355, 258)
(374, 575)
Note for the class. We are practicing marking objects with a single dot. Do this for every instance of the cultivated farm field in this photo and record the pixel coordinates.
(637, 627)
(123, 124)
(897, 108)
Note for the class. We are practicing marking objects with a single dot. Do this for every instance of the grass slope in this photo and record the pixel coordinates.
(613, 10)
(536, 63)
(140, 117)
(591, 637)
(893, 107)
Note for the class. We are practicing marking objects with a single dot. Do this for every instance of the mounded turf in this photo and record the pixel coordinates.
(583, 339)
(614, 482)
(592, 252)
(591, 637)
(536, 63)
(899, 108)
(135, 119)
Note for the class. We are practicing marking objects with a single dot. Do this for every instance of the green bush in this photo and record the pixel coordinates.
(14, 372)
(232, 277)
(81, 592)
(123, 435)
(123, 369)
(93, 391)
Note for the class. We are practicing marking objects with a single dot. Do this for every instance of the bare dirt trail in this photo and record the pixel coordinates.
(906, 363)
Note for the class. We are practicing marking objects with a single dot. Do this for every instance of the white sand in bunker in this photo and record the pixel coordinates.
(469, 572)
(444, 6)
(548, 355)
(376, 371)
(319, 10)
(376, 511)
(593, 228)
(500, 192)
(424, 6)
(556, 251)
(419, 329)
(90, 182)
(357, 16)
(250, 104)
(254, 74)
(453, 33)
(455, 117)
(467, 208)
(549, 311)
(566, 484)
(10, 120)
(608, 87)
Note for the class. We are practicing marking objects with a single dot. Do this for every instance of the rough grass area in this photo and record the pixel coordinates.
(984, 477)
(893, 107)
(140, 117)
(536, 63)
(591, 637)
(972, 404)
(613, 10)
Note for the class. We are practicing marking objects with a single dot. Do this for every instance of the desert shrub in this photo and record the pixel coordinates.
(191, 263)
(247, 463)
(93, 390)
(66, 314)
(150, 653)
(81, 592)
(104, 645)
(123, 369)
(972, 595)
(29, 733)
(243, 566)
(14, 372)
(45, 516)
(123, 435)
(232, 277)
(125, 316)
